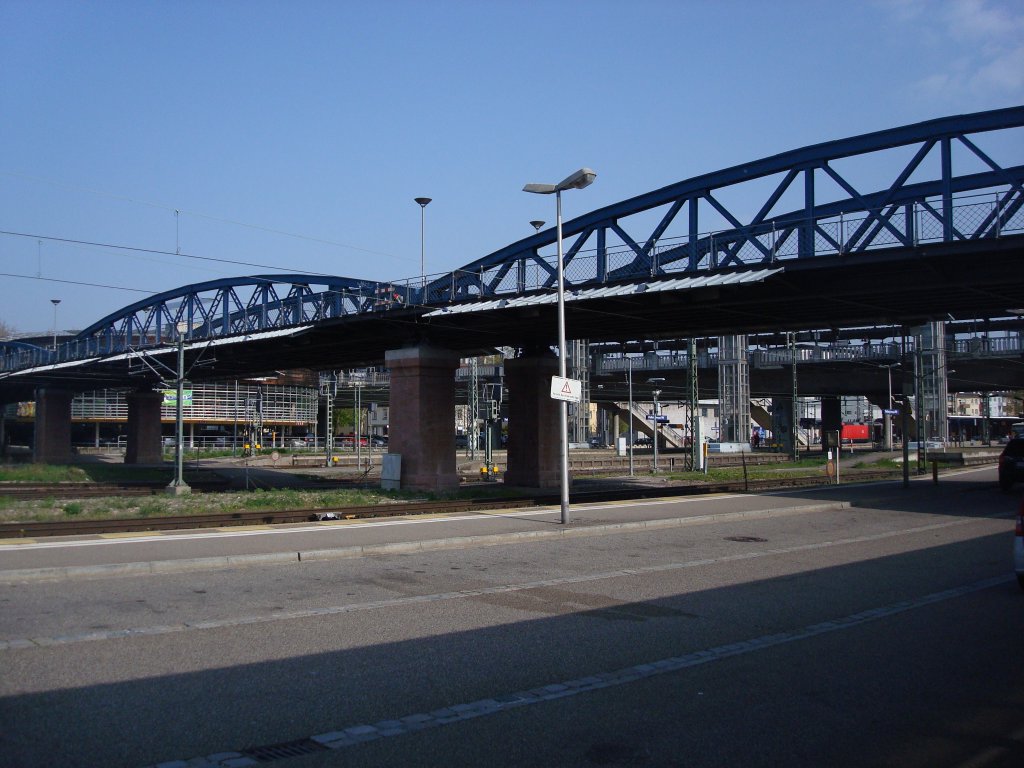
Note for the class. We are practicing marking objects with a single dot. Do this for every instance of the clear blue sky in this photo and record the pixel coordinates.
(323, 120)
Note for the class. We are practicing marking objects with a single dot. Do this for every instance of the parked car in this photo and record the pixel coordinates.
(349, 441)
(596, 442)
(1011, 463)
(1018, 547)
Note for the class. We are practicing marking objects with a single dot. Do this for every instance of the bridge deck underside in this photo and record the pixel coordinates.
(965, 280)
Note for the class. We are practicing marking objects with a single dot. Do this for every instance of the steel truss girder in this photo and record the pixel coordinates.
(232, 306)
(878, 219)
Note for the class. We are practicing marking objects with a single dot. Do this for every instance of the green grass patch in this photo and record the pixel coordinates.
(154, 507)
(72, 508)
(880, 464)
(41, 473)
(713, 475)
(284, 499)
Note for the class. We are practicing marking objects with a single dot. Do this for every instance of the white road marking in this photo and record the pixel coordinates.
(352, 735)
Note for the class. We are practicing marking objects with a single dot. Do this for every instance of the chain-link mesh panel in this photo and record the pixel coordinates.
(582, 268)
(971, 219)
(750, 253)
(507, 284)
(928, 225)
(883, 236)
(620, 258)
(1015, 222)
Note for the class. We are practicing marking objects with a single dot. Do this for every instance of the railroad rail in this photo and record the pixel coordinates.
(450, 506)
(87, 490)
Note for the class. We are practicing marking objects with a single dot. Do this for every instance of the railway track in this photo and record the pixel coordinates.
(291, 516)
(36, 491)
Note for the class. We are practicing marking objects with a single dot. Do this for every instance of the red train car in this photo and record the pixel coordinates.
(856, 433)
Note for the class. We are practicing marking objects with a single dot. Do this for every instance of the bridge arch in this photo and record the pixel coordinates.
(238, 305)
(904, 214)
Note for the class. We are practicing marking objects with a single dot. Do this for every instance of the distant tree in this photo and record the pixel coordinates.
(6, 329)
(344, 420)
(1018, 402)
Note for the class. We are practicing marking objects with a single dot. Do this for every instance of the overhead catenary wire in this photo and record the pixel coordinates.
(76, 282)
(178, 210)
(137, 249)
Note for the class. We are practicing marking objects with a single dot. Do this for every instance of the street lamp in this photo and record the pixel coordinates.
(629, 379)
(887, 421)
(654, 396)
(537, 224)
(55, 302)
(584, 177)
(423, 207)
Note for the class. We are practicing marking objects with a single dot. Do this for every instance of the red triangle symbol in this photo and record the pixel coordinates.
(566, 389)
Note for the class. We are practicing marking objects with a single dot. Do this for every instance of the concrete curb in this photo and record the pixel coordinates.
(117, 570)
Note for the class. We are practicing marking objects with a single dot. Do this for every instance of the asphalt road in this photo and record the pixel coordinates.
(870, 626)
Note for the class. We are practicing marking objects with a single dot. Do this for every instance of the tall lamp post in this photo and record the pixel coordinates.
(55, 302)
(629, 379)
(654, 396)
(584, 177)
(423, 215)
(887, 421)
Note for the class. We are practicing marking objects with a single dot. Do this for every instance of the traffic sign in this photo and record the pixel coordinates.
(570, 390)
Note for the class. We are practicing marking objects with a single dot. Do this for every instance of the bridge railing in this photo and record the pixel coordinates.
(773, 358)
(999, 346)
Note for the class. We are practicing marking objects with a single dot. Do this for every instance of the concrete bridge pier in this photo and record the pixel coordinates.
(533, 439)
(422, 416)
(143, 429)
(784, 425)
(53, 426)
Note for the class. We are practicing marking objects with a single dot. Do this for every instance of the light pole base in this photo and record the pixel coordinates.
(178, 489)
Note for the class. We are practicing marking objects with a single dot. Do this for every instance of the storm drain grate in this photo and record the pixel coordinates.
(273, 752)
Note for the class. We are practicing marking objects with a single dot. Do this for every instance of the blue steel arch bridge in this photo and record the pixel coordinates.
(941, 238)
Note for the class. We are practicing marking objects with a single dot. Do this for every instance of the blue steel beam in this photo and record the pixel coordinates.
(230, 306)
(856, 237)
(474, 278)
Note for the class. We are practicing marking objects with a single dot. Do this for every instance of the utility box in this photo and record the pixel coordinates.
(391, 472)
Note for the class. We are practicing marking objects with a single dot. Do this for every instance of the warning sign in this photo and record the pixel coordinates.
(570, 390)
